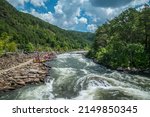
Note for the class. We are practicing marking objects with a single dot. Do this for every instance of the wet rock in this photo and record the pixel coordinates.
(32, 73)
(36, 80)
(147, 71)
(6, 88)
(1, 84)
(20, 77)
(21, 82)
(41, 72)
(28, 80)
(120, 69)
(32, 76)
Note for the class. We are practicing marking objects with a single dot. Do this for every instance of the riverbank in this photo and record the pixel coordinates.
(18, 70)
(75, 77)
(135, 71)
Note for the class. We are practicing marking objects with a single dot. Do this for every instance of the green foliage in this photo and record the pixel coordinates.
(124, 41)
(12, 47)
(28, 32)
(30, 47)
(6, 45)
(1, 47)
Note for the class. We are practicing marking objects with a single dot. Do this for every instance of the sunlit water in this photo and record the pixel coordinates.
(75, 77)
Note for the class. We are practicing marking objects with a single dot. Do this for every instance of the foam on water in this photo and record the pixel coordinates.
(86, 94)
(65, 71)
(75, 77)
(38, 92)
(93, 90)
(84, 71)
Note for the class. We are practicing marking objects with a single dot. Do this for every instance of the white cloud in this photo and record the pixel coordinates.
(58, 9)
(75, 20)
(110, 3)
(78, 11)
(109, 11)
(83, 20)
(20, 3)
(76, 14)
(137, 2)
(67, 14)
(44, 16)
(92, 27)
(38, 3)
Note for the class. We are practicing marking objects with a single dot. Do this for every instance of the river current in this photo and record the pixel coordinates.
(75, 77)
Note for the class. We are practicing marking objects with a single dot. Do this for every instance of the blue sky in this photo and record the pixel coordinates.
(80, 15)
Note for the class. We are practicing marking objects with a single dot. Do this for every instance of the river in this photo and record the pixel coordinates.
(75, 77)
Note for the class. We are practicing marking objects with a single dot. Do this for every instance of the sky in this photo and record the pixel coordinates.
(79, 15)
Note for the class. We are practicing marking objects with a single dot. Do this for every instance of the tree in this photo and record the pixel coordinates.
(12, 47)
(30, 47)
(5, 38)
(25, 28)
(124, 41)
(1, 47)
(6, 45)
(145, 24)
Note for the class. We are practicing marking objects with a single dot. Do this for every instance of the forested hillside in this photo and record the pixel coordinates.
(124, 41)
(21, 31)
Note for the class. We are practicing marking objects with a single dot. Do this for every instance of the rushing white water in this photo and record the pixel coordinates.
(75, 77)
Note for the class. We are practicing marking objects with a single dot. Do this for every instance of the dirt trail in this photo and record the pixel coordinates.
(18, 66)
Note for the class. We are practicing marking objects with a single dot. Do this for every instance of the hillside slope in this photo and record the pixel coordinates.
(29, 32)
(124, 42)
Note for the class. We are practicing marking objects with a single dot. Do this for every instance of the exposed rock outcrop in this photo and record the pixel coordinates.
(30, 73)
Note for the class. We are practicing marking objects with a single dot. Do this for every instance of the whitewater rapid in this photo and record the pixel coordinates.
(75, 77)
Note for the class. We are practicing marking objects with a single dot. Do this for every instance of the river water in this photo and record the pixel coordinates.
(75, 77)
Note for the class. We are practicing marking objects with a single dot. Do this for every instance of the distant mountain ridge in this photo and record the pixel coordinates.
(27, 31)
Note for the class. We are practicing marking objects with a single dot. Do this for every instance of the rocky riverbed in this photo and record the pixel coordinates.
(14, 59)
(18, 70)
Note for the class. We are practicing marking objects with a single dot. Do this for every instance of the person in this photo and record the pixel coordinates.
(37, 58)
(46, 57)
